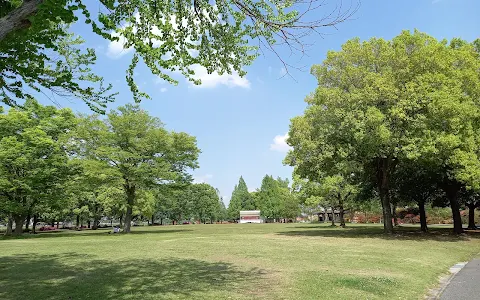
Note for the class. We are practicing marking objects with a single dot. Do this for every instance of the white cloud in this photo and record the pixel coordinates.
(214, 79)
(115, 48)
(279, 143)
(163, 90)
(283, 72)
(202, 178)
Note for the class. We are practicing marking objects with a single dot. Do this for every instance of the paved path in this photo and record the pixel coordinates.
(465, 284)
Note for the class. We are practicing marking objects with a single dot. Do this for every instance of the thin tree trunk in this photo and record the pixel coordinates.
(27, 221)
(78, 221)
(96, 222)
(394, 214)
(471, 215)
(451, 190)
(153, 219)
(53, 223)
(333, 217)
(58, 224)
(161, 221)
(88, 224)
(383, 179)
(130, 191)
(9, 226)
(342, 216)
(34, 226)
(19, 220)
(423, 216)
(121, 220)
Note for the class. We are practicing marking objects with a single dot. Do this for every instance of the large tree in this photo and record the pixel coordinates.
(387, 101)
(34, 166)
(137, 145)
(167, 36)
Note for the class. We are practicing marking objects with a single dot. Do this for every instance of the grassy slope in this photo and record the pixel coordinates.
(251, 261)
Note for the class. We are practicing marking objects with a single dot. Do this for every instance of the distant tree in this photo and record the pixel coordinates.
(91, 186)
(222, 213)
(240, 200)
(270, 198)
(205, 202)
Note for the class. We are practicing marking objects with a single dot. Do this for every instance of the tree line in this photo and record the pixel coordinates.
(396, 121)
(127, 166)
(275, 199)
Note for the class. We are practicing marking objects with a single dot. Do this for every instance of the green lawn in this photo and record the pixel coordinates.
(251, 261)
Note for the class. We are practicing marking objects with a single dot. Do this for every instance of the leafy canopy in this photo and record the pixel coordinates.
(166, 35)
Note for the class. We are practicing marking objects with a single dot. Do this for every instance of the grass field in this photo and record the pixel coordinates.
(251, 261)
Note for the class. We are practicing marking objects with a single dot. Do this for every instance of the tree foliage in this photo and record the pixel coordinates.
(167, 36)
(240, 200)
(136, 146)
(381, 103)
(34, 165)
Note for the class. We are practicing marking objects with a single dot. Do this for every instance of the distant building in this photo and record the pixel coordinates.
(250, 216)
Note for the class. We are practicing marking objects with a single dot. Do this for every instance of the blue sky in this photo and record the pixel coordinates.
(240, 123)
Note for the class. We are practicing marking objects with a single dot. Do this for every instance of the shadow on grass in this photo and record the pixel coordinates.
(401, 233)
(70, 276)
(80, 233)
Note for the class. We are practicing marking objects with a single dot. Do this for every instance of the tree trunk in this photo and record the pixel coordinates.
(423, 216)
(53, 223)
(394, 214)
(58, 224)
(19, 220)
(9, 226)
(88, 224)
(384, 168)
(451, 190)
(342, 216)
(34, 226)
(96, 222)
(78, 221)
(333, 217)
(471, 215)
(161, 221)
(27, 221)
(18, 18)
(153, 219)
(121, 220)
(130, 191)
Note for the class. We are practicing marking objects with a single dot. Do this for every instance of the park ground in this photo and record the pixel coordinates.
(234, 261)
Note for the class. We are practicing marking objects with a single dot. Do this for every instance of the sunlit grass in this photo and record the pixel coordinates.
(251, 261)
